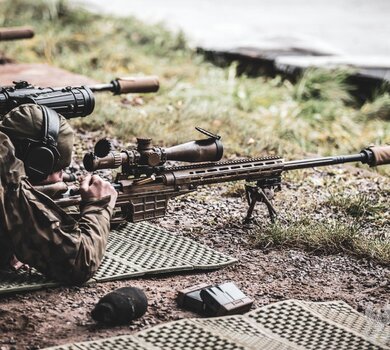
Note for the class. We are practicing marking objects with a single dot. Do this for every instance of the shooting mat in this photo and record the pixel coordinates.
(133, 250)
(286, 325)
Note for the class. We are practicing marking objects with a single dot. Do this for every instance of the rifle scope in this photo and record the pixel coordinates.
(206, 150)
(70, 102)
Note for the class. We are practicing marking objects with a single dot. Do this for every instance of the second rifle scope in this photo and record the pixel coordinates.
(70, 102)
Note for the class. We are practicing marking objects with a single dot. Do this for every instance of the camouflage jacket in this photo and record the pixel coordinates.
(40, 233)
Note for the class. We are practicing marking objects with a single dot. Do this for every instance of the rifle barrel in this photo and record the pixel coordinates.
(15, 33)
(101, 87)
(128, 85)
(324, 161)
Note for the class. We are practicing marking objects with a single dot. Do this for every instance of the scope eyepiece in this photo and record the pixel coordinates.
(112, 161)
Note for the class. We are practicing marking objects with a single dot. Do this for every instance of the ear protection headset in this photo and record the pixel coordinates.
(42, 155)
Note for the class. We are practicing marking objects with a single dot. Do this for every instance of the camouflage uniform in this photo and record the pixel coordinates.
(40, 233)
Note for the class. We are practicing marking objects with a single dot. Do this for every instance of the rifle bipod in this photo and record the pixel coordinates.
(262, 193)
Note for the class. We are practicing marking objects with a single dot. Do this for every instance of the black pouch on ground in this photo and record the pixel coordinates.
(120, 306)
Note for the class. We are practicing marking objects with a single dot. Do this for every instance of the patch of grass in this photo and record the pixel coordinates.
(323, 95)
(330, 237)
(378, 108)
(360, 206)
(69, 36)
(235, 189)
(324, 85)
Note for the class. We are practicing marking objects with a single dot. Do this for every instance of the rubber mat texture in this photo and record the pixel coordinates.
(133, 250)
(286, 325)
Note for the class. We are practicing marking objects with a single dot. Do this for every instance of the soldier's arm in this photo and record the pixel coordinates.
(47, 238)
(41, 234)
(11, 172)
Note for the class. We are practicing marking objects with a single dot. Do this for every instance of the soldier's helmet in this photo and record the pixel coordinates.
(43, 139)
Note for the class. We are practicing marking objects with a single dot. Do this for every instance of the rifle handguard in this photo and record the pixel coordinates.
(136, 85)
(381, 155)
(16, 33)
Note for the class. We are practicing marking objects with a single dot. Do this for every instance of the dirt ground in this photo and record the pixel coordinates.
(62, 315)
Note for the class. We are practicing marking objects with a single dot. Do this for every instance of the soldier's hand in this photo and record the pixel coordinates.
(17, 265)
(93, 187)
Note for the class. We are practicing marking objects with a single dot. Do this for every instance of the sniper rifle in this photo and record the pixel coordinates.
(71, 102)
(145, 184)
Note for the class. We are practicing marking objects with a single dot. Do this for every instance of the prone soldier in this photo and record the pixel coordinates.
(35, 146)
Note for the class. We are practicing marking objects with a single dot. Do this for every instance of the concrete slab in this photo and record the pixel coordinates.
(368, 74)
(371, 67)
(364, 62)
(255, 61)
(41, 75)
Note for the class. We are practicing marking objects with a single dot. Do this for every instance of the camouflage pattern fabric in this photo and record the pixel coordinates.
(40, 233)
